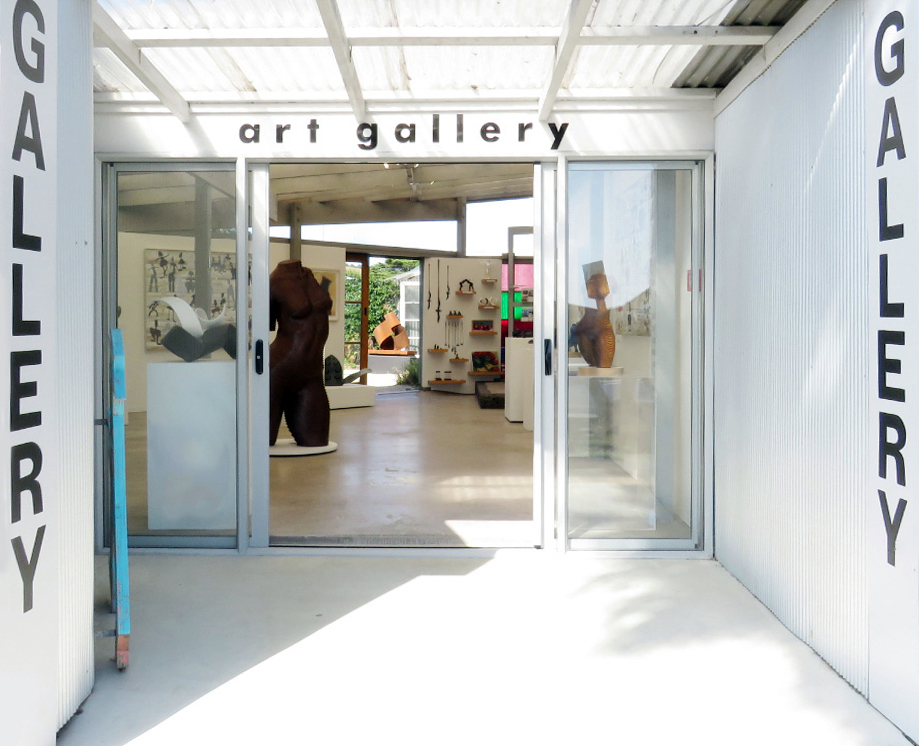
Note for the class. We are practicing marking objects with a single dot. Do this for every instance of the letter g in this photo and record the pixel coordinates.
(889, 77)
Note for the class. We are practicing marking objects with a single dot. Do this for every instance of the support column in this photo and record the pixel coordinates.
(203, 219)
(296, 242)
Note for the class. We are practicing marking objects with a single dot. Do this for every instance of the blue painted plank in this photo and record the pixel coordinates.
(121, 599)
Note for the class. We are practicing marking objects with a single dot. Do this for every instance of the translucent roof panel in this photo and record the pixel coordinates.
(453, 13)
(641, 66)
(453, 68)
(213, 14)
(214, 50)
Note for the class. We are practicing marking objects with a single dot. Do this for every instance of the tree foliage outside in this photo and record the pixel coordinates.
(384, 297)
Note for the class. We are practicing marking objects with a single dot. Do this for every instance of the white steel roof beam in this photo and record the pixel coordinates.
(108, 33)
(459, 37)
(703, 36)
(564, 52)
(331, 19)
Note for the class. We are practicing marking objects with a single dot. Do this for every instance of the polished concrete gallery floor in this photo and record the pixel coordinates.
(418, 469)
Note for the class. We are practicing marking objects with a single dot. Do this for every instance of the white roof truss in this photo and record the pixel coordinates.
(420, 37)
(564, 53)
(109, 34)
(331, 19)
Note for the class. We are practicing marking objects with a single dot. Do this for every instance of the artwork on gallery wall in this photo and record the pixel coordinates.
(634, 318)
(171, 274)
(485, 360)
(483, 325)
(330, 280)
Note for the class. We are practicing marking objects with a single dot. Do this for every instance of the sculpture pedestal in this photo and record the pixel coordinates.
(288, 448)
(191, 446)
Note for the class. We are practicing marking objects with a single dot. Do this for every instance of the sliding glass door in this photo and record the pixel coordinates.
(173, 288)
(629, 357)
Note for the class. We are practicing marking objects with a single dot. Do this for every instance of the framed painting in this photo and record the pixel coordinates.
(169, 273)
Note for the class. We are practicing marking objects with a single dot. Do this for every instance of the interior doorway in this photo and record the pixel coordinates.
(438, 462)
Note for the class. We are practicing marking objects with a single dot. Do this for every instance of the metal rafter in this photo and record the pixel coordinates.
(109, 34)
(459, 37)
(335, 29)
(564, 52)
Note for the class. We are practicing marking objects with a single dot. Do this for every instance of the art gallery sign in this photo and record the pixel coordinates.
(892, 218)
(28, 528)
(264, 133)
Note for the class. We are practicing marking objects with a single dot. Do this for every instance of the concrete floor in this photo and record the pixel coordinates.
(524, 648)
(421, 468)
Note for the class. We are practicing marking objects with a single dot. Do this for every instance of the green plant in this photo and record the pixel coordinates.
(411, 374)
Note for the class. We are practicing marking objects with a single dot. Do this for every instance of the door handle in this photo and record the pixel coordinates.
(259, 356)
(547, 356)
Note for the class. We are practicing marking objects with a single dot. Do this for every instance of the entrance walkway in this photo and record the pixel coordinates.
(522, 649)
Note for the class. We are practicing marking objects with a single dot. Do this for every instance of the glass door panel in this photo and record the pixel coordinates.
(176, 288)
(630, 357)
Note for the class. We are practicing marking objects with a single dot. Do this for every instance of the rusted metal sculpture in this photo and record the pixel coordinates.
(299, 307)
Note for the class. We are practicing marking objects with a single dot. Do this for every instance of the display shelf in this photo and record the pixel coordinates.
(464, 292)
(486, 372)
(489, 308)
(446, 382)
(459, 359)
(483, 333)
(437, 350)
(489, 280)
(454, 315)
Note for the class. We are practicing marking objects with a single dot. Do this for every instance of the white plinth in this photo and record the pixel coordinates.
(518, 377)
(351, 395)
(191, 446)
(288, 448)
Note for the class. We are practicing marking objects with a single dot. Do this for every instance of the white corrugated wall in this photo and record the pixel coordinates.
(75, 354)
(791, 456)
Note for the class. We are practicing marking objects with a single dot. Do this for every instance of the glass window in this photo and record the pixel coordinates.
(630, 354)
(177, 307)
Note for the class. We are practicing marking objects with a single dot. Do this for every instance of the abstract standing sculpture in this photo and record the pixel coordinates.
(300, 309)
(594, 332)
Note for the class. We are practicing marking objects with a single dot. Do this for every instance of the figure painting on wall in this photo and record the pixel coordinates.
(169, 274)
(299, 308)
(634, 318)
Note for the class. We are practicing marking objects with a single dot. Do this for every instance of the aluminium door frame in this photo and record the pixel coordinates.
(702, 457)
(259, 543)
(106, 305)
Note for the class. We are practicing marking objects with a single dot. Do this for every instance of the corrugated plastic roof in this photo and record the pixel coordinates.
(292, 57)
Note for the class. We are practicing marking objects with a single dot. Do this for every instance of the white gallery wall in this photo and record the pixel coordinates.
(792, 464)
(46, 568)
(75, 273)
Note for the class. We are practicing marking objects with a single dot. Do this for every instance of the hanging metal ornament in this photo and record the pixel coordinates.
(429, 290)
(454, 331)
(438, 291)
(448, 282)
